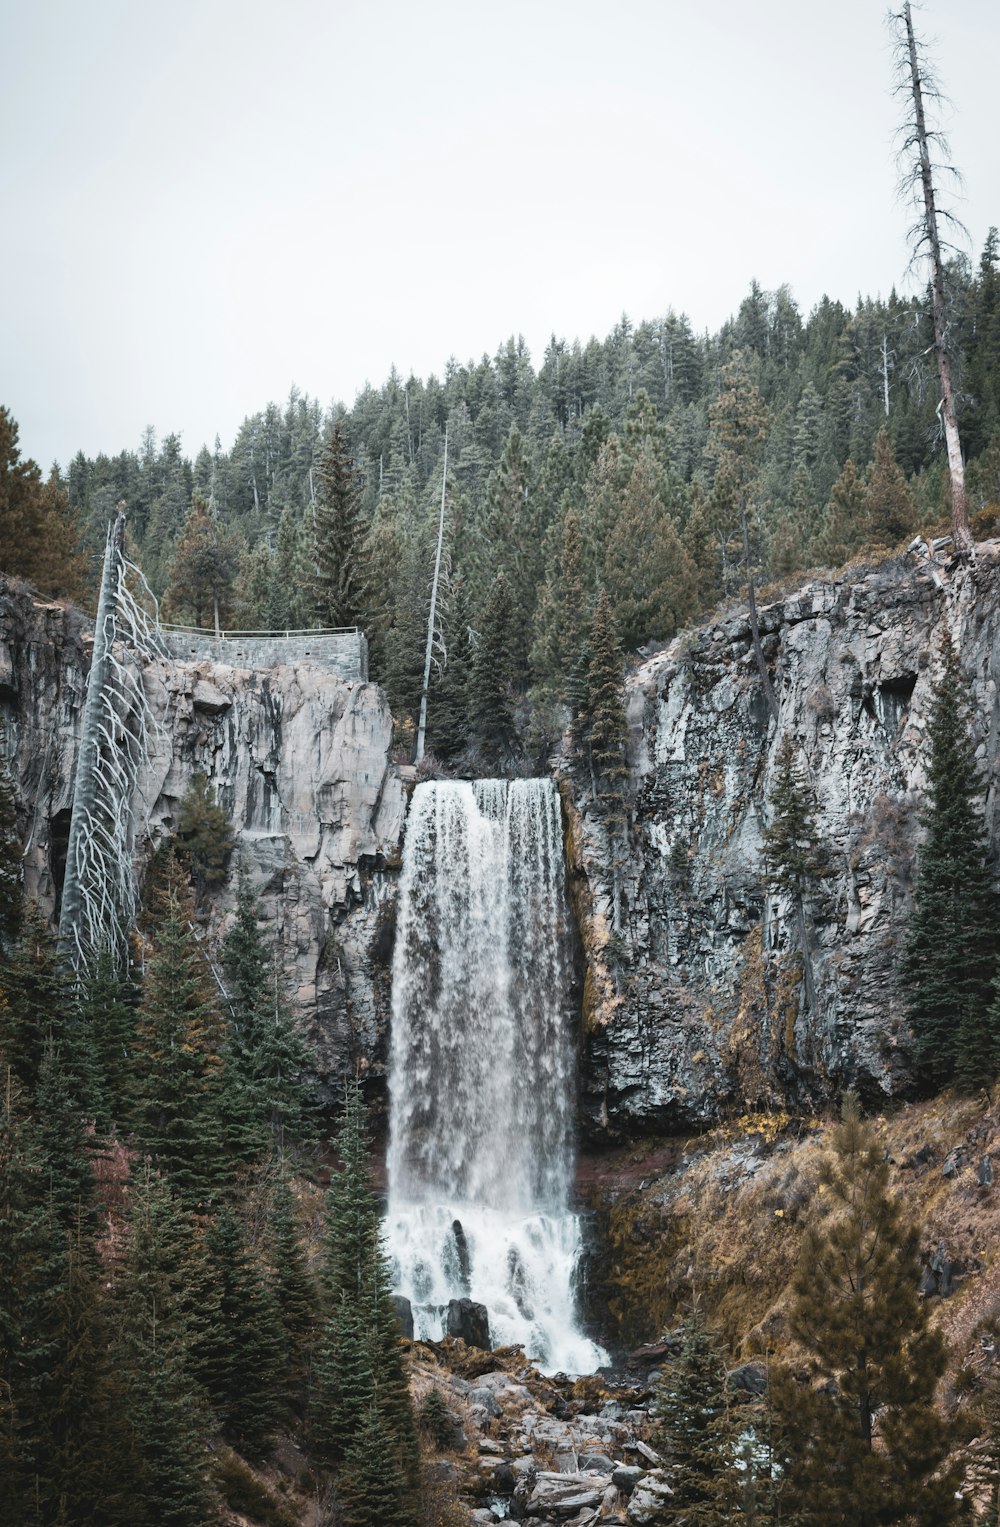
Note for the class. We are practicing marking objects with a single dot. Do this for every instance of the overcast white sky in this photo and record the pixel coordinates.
(203, 203)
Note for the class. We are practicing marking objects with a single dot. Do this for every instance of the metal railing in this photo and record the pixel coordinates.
(231, 635)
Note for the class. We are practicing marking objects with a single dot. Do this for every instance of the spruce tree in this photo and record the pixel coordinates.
(107, 1002)
(873, 1450)
(267, 1103)
(739, 422)
(492, 691)
(288, 607)
(949, 951)
(359, 1362)
(449, 693)
(436, 1419)
(39, 533)
(373, 1488)
(889, 507)
(177, 1077)
(34, 1271)
(202, 570)
(155, 1334)
(845, 524)
(606, 732)
(340, 581)
(646, 570)
(295, 1294)
(241, 1352)
(515, 530)
(694, 1431)
(38, 1005)
(607, 727)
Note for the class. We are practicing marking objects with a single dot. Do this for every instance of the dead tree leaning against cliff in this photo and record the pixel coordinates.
(923, 161)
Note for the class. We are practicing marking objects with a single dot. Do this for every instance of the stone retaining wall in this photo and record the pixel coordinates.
(344, 653)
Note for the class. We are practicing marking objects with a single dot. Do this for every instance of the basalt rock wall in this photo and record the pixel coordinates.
(299, 760)
(694, 1001)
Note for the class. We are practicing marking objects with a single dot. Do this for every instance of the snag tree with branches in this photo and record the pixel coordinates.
(923, 163)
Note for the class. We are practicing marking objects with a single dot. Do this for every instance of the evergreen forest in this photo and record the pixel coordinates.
(616, 465)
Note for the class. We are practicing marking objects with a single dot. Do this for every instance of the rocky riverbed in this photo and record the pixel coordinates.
(544, 1450)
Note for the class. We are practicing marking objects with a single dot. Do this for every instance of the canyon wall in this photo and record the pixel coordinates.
(694, 1003)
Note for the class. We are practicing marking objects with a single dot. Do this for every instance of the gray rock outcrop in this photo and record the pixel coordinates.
(695, 999)
(299, 760)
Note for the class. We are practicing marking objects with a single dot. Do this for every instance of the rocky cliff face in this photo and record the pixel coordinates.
(297, 757)
(695, 1002)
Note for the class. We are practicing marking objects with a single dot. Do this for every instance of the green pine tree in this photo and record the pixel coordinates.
(359, 1362)
(177, 1072)
(845, 524)
(37, 1006)
(646, 570)
(696, 1434)
(437, 1420)
(449, 691)
(107, 1013)
(267, 1102)
(950, 945)
(242, 1350)
(889, 507)
(340, 581)
(202, 570)
(606, 734)
(155, 1334)
(492, 685)
(296, 1296)
(873, 1450)
(373, 1487)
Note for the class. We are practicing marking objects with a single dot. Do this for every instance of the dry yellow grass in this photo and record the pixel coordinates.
(725, 1225)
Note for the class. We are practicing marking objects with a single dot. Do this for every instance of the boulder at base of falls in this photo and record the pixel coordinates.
(471, 1322)
(404, 1314)
(648, 1499)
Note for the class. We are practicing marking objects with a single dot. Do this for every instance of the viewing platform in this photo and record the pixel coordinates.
(342, 650)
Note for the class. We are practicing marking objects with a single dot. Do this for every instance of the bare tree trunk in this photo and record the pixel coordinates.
(885, 374)
(87, 775)
(919, 142)
(428, 653)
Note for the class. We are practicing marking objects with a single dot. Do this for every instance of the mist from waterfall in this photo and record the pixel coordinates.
(482, 1069)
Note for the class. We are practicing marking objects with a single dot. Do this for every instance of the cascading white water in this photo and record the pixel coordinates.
(482, 1069)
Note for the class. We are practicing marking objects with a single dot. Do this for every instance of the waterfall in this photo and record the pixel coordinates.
(482, 1069)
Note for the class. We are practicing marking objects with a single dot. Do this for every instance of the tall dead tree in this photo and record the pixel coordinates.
(99, 889)
(923, 162)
